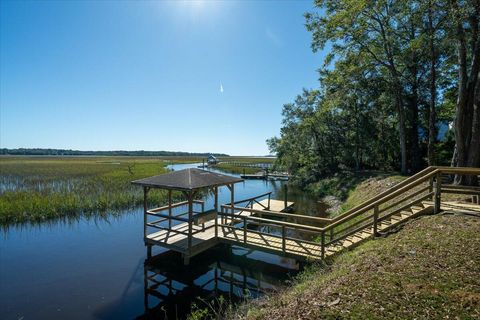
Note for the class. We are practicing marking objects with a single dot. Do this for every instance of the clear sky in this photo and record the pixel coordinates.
(204, 76)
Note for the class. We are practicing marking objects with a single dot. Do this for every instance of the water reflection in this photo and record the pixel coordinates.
(304, 203)
(230, 272)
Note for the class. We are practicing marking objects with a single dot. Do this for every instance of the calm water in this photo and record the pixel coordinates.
(94, 269)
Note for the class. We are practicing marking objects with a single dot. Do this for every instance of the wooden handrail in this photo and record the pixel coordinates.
(384, 193)
(359, 219)
(400, 188)
(175, 205)
(383, 197)
(273, 222)
(248, 199)
(278, 214)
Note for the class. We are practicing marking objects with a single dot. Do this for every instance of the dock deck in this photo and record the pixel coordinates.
(177, 239)
(268, 225)
(283, 245)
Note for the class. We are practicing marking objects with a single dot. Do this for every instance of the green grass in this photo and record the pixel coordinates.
(369, 188)
(428, 270)
(35, 189)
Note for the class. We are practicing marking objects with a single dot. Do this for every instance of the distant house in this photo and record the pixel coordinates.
(212, 159)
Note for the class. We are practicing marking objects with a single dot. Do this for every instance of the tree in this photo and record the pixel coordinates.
(465, 17)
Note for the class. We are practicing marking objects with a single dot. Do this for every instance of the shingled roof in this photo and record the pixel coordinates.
(187, 179)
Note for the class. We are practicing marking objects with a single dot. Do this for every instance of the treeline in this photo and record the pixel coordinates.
(397, 73)
(63, 152)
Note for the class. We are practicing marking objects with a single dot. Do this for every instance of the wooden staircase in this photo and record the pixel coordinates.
(417, 195)
(386, 225)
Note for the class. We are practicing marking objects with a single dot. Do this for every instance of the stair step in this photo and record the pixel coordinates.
(416, 209)
(396, 219)
(406, 214)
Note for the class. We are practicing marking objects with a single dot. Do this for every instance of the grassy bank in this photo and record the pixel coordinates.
(39, 188)
(343, 184)
(428, 270)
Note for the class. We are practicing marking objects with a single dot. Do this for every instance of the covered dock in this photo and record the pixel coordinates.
(182, 231)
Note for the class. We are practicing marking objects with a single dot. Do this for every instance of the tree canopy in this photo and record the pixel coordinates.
(398, 73)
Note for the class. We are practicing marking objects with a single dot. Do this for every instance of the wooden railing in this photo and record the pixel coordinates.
(427, 184)
(250, 201)
(170, 217)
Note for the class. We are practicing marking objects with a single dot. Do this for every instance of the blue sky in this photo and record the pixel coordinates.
(99, 75)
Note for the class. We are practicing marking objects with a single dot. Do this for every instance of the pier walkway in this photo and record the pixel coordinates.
(267, 224)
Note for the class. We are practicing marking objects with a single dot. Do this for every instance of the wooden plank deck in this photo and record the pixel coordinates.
(295, 248)
(204, 239)
(275, 205)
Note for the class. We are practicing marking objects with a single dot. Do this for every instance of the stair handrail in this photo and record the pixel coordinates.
(386, 192)
(389, 196)
(398, 189)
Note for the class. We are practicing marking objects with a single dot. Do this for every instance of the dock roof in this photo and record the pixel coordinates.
(187, 179)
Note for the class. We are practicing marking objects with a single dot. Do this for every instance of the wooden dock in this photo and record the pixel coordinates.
(290, 247)
(264, 175)
(265, 224)
(205, 237)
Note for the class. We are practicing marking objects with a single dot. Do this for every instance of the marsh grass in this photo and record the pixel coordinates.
(36, 189)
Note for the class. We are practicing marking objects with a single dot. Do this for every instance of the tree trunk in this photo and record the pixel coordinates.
(401, 126)
(414, 130)
(432, 117)
(466, 114)
(474, 149)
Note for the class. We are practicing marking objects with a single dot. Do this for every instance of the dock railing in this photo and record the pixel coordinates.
(366, 217)
(171, 217)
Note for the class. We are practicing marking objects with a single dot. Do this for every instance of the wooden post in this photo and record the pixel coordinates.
(438, 192)
(216, 211)
(323, 245)
(244, 230)
(285, 194)
(284, 241)
(430, 185)
(190, 220)
(145, 209)
(149, 251)
(375, 221)
(269, 196)
(232, 197)
(331, 234)
(170, 209)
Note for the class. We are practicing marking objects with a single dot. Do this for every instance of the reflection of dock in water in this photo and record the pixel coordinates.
(170, 287)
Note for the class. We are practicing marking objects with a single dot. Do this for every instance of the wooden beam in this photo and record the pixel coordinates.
(170, 208)
(190, 220)
(232, 197)
(145, 209)
(216, 211)
(438, 192)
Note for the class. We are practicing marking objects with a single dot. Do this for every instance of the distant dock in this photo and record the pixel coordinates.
(264, 175)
